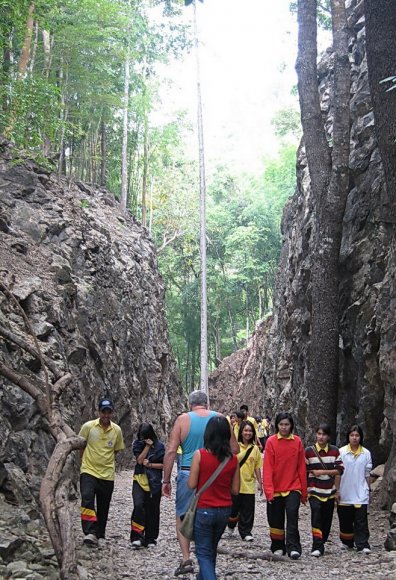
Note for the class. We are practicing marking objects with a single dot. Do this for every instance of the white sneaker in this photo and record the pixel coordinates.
(345, 547)
(294, 555)
(316, 553)
(137, 544)
(366, 551)
(229, 532)
(278, 553)
(248, 538)
(91, 539)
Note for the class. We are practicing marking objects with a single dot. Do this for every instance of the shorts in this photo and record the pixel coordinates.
(184, 494)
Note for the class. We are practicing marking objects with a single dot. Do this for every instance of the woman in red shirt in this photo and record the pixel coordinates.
(214, 505)
(285, 486)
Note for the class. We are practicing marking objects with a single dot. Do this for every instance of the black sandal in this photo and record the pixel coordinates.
(184, 568)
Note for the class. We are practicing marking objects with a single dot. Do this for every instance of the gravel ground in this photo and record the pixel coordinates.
(116, 560)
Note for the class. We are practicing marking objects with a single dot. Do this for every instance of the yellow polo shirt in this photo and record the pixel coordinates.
(253, 462)
(99, 454)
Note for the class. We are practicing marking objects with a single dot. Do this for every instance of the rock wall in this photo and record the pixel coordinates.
(367, 384)
(237, 380)
(367, 289)
(86, 277)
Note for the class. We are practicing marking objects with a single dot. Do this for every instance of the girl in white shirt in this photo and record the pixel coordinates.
(354, 493)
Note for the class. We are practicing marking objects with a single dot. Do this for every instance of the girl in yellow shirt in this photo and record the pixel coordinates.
(250, 463)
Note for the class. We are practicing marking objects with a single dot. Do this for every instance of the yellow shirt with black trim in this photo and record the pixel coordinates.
(99, 454)
(253, 462)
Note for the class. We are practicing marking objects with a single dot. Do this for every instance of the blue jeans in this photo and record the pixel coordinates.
(209, 526)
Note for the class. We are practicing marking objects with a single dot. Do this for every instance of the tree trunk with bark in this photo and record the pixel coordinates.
(328, 170)
(102, 153)
(124, 161)
(25, 54)
(145, 170)
(381, 60)
(46, 394)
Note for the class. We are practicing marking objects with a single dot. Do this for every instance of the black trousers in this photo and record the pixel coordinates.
(321, 520)
(145, 519)
(354, 528)
(277, 510)
(99, 492)
(242, 513)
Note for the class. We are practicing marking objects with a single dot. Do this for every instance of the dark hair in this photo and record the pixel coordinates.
(241, 428)
(239, 414)
(325, 427)
(244, 408)
(146, 431)
(217, 437)
(280, 417)
(359, 430)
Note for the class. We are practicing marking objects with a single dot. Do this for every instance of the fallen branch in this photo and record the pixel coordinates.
(253, 555)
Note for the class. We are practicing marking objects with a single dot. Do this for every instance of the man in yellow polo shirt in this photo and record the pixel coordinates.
(103, 440)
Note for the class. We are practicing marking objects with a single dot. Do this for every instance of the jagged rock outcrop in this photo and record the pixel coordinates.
(86, 277)
(367, 288)
(238, 380)
(367, 385)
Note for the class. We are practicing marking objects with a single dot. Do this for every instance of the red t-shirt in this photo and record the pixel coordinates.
(218, 493)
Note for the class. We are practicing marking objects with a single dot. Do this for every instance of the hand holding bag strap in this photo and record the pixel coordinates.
(211, 479)
(246, 456)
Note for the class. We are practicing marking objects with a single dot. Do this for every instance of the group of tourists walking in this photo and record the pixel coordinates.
(246, 461)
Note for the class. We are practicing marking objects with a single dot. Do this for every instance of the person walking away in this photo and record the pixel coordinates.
(285, 486)
(188, 431)
(355, 493)
(324, 469)
(214, 505)
(250, 464)
(262, 430)
(146, 487)
(103, 441)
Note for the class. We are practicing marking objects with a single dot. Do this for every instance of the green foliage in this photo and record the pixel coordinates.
(287, 122)
(323, 14)
(243, 244)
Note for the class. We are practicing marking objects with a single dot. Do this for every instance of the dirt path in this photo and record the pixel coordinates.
(117, 560)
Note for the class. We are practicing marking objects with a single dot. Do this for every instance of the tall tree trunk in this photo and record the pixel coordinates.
(151, 204)
(381, 60)
(124, 160)
(202, 216)
(328, 172)
(102, 153)
(47, 52)
(24, 58)
(34, 49)
(145, 170)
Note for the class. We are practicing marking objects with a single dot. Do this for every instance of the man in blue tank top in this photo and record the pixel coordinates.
(188, 432)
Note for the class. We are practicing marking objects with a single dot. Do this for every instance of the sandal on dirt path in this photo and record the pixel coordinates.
(184, 568)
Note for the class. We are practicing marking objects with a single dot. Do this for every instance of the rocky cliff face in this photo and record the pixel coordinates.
(237, 380)
(367, 391)
(367, 290)
(85, 275)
